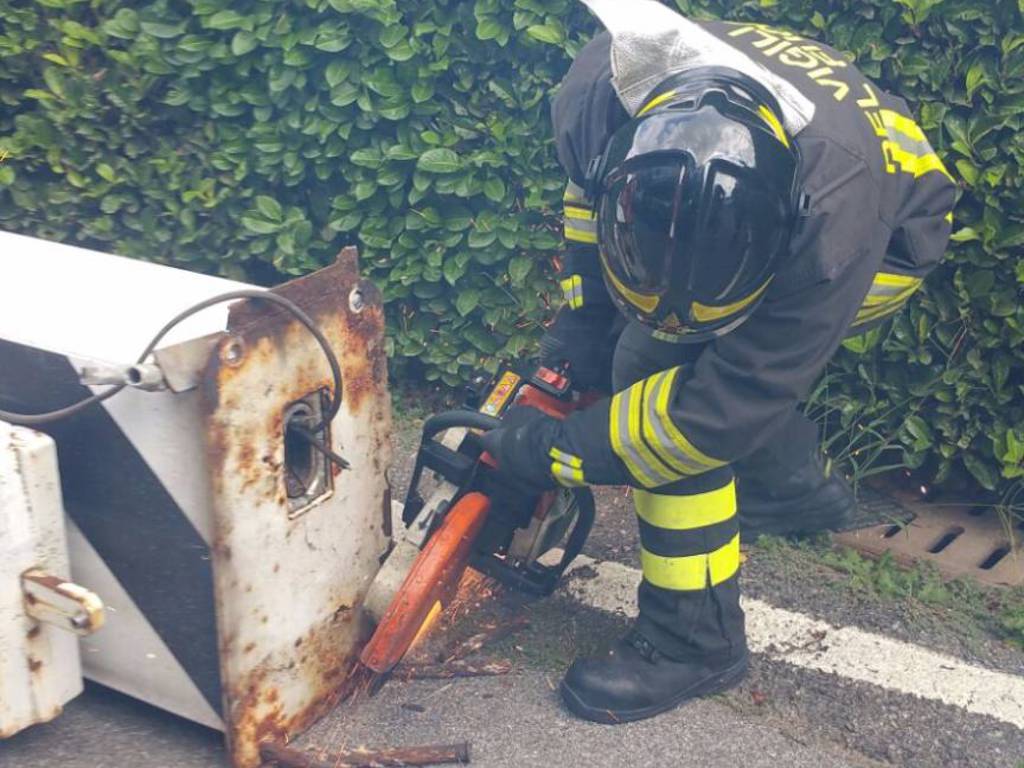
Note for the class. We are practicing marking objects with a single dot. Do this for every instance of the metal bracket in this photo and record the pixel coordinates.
(63, 604)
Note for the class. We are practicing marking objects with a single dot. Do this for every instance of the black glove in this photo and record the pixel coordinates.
(521, 444)
(581, 340)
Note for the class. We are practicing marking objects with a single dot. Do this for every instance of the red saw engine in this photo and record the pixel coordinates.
(472, 515)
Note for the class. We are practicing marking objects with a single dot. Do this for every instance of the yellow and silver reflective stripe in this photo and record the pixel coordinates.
(572, 290)
(887, 294)
(774, 123)
(579, 216)
(574, 194)
(671, 445)
(906, 144)
(684, 513)
(703, 313)
(693, 572)
(644, 436)
(625, 423)
(566, 468)
(580, 224)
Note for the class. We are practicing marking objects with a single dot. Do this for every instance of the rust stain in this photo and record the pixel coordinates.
(277, 696)
(259, 713)
(34, 632)
(34, 664)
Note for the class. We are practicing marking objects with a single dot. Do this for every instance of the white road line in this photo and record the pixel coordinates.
(846, 651)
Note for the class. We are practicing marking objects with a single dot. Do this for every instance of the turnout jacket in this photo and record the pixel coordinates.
(878, 221)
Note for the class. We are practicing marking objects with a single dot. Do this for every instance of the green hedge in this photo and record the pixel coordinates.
(253, 138)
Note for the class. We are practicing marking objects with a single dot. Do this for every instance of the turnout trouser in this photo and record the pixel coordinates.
(689, 535)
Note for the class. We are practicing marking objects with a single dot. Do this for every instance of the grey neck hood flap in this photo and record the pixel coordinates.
(650, 42)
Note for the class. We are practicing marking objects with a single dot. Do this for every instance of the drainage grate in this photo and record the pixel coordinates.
(961, 541)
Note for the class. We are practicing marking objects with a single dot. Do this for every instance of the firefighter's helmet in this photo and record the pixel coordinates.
(697, 197)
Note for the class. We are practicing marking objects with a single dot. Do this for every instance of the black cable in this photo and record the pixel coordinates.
(317, 445)
(36, 419)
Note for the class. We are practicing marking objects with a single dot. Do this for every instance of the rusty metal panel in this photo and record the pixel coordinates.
(289, 586)
(960, 540)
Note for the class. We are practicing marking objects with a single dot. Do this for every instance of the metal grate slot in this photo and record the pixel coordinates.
(995, 558)
(946, 539)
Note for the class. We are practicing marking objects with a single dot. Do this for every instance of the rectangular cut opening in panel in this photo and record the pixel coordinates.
(308, 479)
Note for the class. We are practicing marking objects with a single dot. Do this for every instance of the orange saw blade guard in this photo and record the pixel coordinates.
(433, 578)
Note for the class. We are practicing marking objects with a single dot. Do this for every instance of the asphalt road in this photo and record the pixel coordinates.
(782, 715)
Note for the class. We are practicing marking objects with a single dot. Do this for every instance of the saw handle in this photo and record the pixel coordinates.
(464, 419)
(433, 455)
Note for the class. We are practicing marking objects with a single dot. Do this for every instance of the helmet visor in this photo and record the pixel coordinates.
(742, 231)
(637, 219)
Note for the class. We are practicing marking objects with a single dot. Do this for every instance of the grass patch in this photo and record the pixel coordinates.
(997, 612)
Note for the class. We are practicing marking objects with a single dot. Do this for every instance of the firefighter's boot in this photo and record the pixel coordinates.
(810, 498)
(689, 638)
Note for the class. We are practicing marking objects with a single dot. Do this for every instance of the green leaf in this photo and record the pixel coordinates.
(519, 268)
(488, 28)
(391, 36)
(225, 20)
(243, 42)
(983, 472)
(367, 158)
(105, 172)
(7, 175)
(270, 208)
(440, 160)
(494, 188)
(479, 239)
(163, 30)
(466, 301)
(124, 24)
(259, 226)
(545, 33)
(965, 235)
(336, 72)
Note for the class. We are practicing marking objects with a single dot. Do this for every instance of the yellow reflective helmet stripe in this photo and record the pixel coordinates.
(661, 99)
(644, 303)
(704, 314)
(774, 123)
(687, 574)
(685, 513)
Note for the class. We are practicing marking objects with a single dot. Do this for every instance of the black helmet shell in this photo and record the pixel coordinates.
(696, 201)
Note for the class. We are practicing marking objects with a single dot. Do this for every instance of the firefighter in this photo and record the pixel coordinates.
(743, 199)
